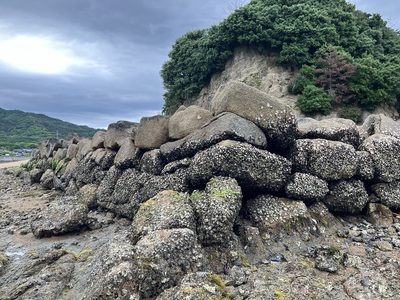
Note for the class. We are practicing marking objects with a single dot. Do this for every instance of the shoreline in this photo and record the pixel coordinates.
(13, 163)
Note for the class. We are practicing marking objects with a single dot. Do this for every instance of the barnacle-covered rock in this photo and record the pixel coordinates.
(217, 208)
(329, 160)
(306, 187)
(346, 196)
(253, 168)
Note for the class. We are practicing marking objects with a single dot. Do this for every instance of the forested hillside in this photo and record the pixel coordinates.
(347, 58)
(19, 129)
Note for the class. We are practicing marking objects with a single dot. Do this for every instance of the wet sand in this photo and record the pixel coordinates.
(12, 163)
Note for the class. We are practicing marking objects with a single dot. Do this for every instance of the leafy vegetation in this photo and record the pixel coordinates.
(351, 56)
(20, 130)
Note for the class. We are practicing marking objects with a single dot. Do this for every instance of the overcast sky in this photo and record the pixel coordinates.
(94, 62)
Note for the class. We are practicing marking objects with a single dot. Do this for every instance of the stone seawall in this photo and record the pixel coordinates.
(206, 180)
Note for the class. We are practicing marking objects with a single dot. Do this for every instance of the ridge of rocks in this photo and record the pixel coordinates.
(220, 190)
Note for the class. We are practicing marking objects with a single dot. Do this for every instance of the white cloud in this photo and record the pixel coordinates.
(38, 54)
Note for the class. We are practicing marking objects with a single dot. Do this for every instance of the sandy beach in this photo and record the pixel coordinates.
(12, 163)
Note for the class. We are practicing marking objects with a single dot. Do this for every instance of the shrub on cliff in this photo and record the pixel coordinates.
(315, 100)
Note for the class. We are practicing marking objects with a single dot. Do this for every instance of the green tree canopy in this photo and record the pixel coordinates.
(296, 29)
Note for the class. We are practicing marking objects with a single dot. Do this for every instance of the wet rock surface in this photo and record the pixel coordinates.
(335, 257)
(240, 208)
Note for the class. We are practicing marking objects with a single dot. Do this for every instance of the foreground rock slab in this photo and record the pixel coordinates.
(60, 217)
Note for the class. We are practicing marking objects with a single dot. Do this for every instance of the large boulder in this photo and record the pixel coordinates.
(60, 217)
(47, 179)
(380, 124)
(128, 155)
(88, 172)
(273, 214)
(163, 257)
(124, 192)
(384, 151)
(216, 209)
(223, 127)
(306, 187)
(152, 162)
(152, 132)
(72, 151)
(388, 193)
(98, 139)
(166, 210)
(336, 129)
(117, 132)
(84, 148)
(50, 146)
(187, 120)
(106, 188)
(326, 159)
(61, 153)
(366, 167)
(117, 191)
(348, 196)
(274, 118)
(253, 168)
(114, 265)
(104, 158)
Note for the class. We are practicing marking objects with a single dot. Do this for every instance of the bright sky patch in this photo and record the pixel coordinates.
(36, 54)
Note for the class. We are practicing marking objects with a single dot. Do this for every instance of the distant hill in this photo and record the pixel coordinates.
(20, 129)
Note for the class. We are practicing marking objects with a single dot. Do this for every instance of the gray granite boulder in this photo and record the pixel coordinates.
(253, 168)
(380, 124)
(128, 155)
(105, 189)
(329, 160)
(216, 209)
(35, 175)
(366, 167)
(50, 146)
(87, 196)
(104, 158)
(385, 153)
(388, 193)
(186, 120)
(117, 132)
(276, 119)
(46, 180)
(163, 257)
(61, 153)
(166, 210)
(114, 265)
(98, 140)
(88, 172)
(118, 189)
(152, 162)
(84, 148)
(348, 196)
(124, 192)
(302, 186)
(60, 217)
(152, 132)
(268, 213)
(72, 151)
(336, 129)
(223, 127)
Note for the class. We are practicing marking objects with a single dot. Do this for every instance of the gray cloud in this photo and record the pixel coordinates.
(122, 43)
